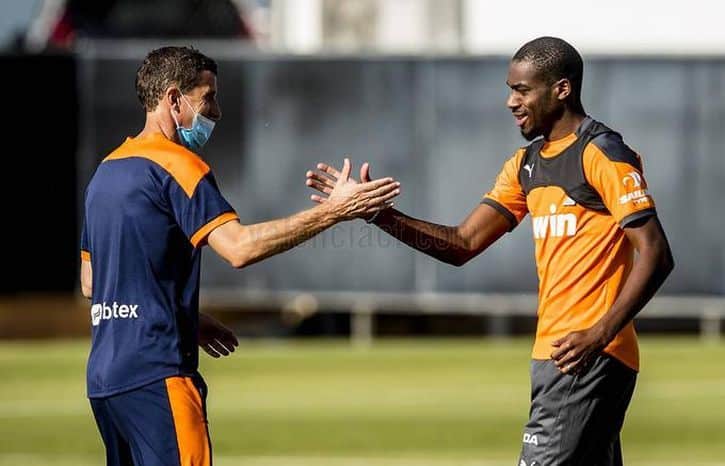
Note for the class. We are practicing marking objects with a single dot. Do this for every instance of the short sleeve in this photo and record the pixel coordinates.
(615, 172)
(200, 212)
(85, 244)
(507, 195)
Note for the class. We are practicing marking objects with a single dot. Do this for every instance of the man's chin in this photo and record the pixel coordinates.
(530, 135)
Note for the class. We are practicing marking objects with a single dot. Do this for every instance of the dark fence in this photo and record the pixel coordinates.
(440, 126)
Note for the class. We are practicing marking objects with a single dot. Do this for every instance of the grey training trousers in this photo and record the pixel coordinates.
(575, 420)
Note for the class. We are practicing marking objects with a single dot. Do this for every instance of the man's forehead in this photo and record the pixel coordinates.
(207, 80)
(206, 84)
(522, 72)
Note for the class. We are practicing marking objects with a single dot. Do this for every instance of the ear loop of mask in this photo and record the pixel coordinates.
(176, 121)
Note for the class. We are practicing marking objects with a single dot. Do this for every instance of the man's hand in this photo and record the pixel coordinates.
(326, 176)
(573, 353)
(214, 338)
(361, 198)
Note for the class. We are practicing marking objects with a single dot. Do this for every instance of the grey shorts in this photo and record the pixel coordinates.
(575, 420)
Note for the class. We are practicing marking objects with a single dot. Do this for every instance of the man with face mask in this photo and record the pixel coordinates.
(590, 209)
(150, 207)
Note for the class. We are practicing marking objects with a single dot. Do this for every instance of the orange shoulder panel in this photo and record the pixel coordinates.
(183, 165)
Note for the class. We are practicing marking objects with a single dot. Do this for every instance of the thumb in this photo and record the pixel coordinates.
(365, 173)
(557, 343)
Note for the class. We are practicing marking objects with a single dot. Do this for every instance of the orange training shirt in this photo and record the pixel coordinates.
(582, 254)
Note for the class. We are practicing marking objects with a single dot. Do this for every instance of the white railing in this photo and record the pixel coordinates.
(709, 310)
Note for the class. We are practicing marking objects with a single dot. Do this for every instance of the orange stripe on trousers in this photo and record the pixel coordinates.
(191, 429)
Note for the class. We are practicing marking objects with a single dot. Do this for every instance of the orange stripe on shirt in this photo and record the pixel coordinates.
(184, 166)
(85, 256)
(201, 234)
(191, 429)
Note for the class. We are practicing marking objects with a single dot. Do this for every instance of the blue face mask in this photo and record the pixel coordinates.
(195, 137)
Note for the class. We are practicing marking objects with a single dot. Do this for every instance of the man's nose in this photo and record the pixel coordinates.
(215, 113)
(512, 102)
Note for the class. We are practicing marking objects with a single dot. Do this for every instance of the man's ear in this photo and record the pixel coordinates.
(562, 89)
(172, 97)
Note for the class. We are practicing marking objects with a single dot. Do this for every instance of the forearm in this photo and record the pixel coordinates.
(262, 240)
(648, 274)
(438, 241)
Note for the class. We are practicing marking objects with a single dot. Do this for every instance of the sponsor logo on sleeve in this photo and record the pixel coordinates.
(633, 178)
(637, 197)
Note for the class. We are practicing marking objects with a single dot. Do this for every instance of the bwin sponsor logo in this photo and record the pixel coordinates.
(554, 225)
(103, 311)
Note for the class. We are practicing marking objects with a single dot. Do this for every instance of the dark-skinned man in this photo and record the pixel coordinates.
(585, 191)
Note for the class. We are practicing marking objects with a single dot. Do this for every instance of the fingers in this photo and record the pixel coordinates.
(385, 191)
(216, 348)
(365, 172)
(384, 199)
(567, 358)
(321, 177)
(379, 207)
(375, 184)
(318, 199)
(221, 348)
(210, 351)
(562, 346)
(345, 173)
(314, 184)
(573, 366)
(566, 354)
(230, 340)
(329, 170)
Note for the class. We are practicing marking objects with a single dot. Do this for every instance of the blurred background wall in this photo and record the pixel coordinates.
(438, 124)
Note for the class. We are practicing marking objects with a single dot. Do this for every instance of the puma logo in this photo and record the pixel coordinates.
(529, 167)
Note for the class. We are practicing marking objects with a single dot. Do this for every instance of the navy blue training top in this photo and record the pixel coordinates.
(148, 210)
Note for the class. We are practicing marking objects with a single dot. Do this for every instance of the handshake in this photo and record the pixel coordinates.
(347, 198)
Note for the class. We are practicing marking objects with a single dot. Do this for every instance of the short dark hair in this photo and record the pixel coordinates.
(554, 59)
(168, 66)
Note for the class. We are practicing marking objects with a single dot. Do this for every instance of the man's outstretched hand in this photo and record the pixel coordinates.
(354, 198)
(325, 177)
(215, 338)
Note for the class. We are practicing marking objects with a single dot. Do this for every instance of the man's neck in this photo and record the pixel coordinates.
(567, 124)
(155, 125)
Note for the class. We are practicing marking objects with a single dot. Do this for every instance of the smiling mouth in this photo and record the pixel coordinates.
(520, 119)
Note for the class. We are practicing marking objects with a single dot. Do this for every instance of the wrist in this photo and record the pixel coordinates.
(604, 333)
(378, 216)
(371, 218)
(331, 212)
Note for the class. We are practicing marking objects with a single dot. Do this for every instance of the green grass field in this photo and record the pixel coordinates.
(401, 403)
